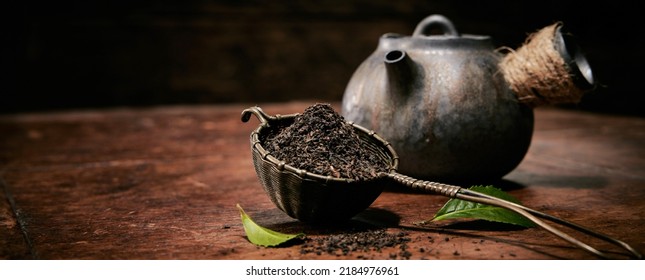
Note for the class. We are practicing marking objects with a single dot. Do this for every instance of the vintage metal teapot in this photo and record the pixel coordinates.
(455, 108)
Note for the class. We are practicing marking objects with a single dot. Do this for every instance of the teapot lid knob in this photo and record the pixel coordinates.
(435, 21)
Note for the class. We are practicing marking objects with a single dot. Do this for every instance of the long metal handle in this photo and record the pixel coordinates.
(466, 194)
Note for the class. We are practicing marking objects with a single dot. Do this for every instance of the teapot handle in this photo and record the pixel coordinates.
(435, 21)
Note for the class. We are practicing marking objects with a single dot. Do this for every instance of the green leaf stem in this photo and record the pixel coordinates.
(457, 208)
(262, 236)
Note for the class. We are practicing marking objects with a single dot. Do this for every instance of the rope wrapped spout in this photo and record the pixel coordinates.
(548, 69)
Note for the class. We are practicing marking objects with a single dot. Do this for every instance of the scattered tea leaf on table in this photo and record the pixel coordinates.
(263, 236)
(457, 208)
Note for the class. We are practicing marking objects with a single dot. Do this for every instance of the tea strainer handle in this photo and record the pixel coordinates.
(472, 196)
(264, 118)
(257, 111)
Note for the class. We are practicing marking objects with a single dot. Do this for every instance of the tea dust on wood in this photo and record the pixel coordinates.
(358, 243)
(322, 142)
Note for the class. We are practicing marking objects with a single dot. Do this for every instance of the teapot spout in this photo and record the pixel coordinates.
(548, 69)
(400, 70)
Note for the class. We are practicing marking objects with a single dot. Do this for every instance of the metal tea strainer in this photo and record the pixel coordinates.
(314, 198)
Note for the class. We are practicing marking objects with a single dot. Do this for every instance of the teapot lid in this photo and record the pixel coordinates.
(425, 27)
(425, 34)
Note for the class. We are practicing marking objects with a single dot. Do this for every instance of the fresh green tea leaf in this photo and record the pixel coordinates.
(263, 236)
(457, 208)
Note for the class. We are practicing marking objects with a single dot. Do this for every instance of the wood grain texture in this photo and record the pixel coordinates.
(162, 183)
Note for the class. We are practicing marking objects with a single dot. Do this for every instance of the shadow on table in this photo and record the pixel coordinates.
(573, 181)
(369, 219)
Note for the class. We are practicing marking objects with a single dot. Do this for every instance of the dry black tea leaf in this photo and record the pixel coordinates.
(322, 142)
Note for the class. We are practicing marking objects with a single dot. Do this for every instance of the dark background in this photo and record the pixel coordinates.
(58, 55)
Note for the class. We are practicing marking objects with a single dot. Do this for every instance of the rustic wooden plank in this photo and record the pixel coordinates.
(13, 245)
(162, 183)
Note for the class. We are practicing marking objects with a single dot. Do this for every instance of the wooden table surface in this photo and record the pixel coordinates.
(162, 183)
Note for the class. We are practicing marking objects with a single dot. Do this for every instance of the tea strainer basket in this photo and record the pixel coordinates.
(313, 198)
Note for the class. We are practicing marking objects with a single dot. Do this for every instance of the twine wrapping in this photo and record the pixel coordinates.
(538, 74)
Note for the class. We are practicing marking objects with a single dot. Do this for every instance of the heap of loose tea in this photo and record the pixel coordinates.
(322, 142)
